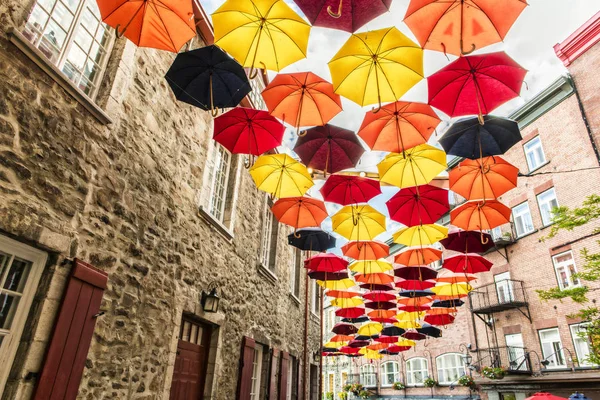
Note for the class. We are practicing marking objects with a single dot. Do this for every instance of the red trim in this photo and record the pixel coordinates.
(559, 250)
(511, 330)
(580, 41)
(89, 274)
(203, 24)
(546, 323)
(517, 200)
(543, 187)
(530, 135)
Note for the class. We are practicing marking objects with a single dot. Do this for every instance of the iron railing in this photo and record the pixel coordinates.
(514, 359)
(498, 296)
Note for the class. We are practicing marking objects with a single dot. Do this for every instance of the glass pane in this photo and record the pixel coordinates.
(185, 333)
(194, 334)
(96, 53)
(4, 259)
(103, 35)
(8, 309)
(62, 16)
(83, 39)
(46, 4)
(17, 275)
(53, 39)
(89, 21)
(37, 19)
(71, 4)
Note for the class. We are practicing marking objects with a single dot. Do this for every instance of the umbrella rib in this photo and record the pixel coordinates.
(163, 23)
(447, 11)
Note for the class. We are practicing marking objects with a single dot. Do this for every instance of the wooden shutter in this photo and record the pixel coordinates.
(245, 375)
(67, 352)
(299, 380)
(283, 375)
(273, 375)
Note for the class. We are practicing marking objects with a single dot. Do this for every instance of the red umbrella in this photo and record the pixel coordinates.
(345, 15)
(344, 329)
(380, 305)
(329, 148)
(379, 296)
(412, 335)
(248, 131)
(349, 350)
(383, 320)
(348, 189)
(398, 349)
(350, 312)
(387, 339)
(415, 285)
(545, 396)
(414, 308)
(326, 263)
(327, 276)
(468, 242)
(467, 263)
(378, 287)
(476, 85)
(439, 320)
(418, 205)
(415, 273)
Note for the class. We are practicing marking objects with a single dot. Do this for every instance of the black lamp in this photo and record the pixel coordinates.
(210, 300)
(317, 356)
(468, 359)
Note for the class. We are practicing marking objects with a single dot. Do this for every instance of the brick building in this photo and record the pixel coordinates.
(117, 212)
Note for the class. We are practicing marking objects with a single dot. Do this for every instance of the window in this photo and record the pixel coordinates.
(368, 375)
(581, 342)
(552, 348)
(390, 373)
(504, 288)
(292, 392)
(269, 238)
(330, 321)
(344, 381)
(416, 371)
(450, 367)
(516, 352)
(534, 153)
(522, 219)
(564, 265)
(437, 265)
(71, 35)
(256, 372)
(295, 272)
(316, 298)
(547, 202)
(218, 179)
(20, 269)
(258, 85)
(331, 382)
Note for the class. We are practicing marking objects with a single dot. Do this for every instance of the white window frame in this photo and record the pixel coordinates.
(384, 374)
(255, 382)
(504, 288)
(518, 212)
(568, 273)
(579, 341)
(315, 307)
(295, 273)
(545, 206)
(557, 354)
(449, 374)
(530, 148)
(416, 377)
(61, 57)
(218, 170)
(516, 350)
(257, 85)
(10, 344)
(368, 375)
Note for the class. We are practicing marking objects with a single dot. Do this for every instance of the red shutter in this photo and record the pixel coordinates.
(283, 375)
(273, 375)
(67, 352)
(246, 361)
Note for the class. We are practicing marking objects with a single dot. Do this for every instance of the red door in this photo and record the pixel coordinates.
(191, 361)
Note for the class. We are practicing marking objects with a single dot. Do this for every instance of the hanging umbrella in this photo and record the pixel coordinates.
(363, 337)
(349, 189)
(326, 262)
(392, 330)
(414, 167)
(248, 131)
(404, 342)
(441, 311)
(416, 301)
(353, 312)
(374, 287)
(415, 285)
(370, 266)
(377, 66)
(381, 315)
(415, 293)
(345, 15)
(341, 294)
(347, 303)
(399, 126)
(328, 276)
(337, 285)
(471, 139)
(413, 335)
(480, 215)
(356, 320)
(447, 303)
(158, 24)
(418, 256)
(208, 78)
(378, 346)
(407, 324)
(366, 250)
(456, 278)
(439, 320)
(416, 273)
(486, 178)
(395, 349)
(339, 341)
(476, 84)
(299, 212)
(380, 305)
(370, 329)
(420, 235)
(468, 242)
(302, 99)
(281, 176)
(467, 264)
(261, 32)
(430, 330)
(452, 289)
(311, 240)
(379, 296)
(461, 26)
(418, 205)
(349, 350)
(544, 396)
(374, 279)
(329, 148)
(344, 329)
(359, 344)
(361, 222)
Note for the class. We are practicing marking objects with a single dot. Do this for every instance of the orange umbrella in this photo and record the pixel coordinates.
(485, 178)
(302, 99)
(341, 338)
(379, 278)
(159, 24)
(382, 314)
(366, 250)
(480, 215)
(414, 301)
(341, 294)
(456, 296)
(378, 346)
(299, 212)
(398, 126)
(419, 256)
(437, 311)
(456, 278)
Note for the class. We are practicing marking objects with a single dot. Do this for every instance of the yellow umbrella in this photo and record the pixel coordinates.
(281, 176)
(405, 342)
(377, 66)
(370, 329)
(265, 32)
(335, 345)
(342, 284)
(452, 289)
(414, 167)
(358, 222)
(410, 315)
(407, 324)
(420, 235)
(371, 354)
(347, 303)
(370, 266)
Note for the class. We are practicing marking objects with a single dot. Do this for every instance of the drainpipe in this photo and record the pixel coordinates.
(305, 363)
(585, 119)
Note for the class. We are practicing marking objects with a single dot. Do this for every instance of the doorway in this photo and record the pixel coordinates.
(516, 352)
(504, 288)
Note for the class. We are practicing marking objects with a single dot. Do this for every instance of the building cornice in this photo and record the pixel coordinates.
(580, 41)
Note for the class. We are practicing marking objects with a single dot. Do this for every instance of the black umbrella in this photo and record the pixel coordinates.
(416, 293)
(430, 330)
(311, 240)
(208, 78)
(376, 286)
(392, 331)
(448, 303)
(389, 353)
(365, 337)
(355, 320)
(468, 242)
(329, 350)
(380, 305)
(328, 276)
(344, 329)
(470, 139)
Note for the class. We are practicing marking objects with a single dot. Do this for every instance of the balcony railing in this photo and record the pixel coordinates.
(503, 235)
(498, 296)
(514, 359)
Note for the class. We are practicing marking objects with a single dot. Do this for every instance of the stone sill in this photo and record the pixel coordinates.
(216, 224)
(527, 234)
(264, 271)
(41, 61)
(314, 317)
(295, 299)
(538, 168)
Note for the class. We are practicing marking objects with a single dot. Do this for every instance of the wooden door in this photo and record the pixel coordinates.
(189, 374)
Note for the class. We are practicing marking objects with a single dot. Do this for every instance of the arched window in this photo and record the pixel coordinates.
(368, 375)
(416, 371)
(390, 373)
(450, 367)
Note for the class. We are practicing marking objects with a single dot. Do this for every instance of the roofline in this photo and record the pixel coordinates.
(579, 41)
(203, 24)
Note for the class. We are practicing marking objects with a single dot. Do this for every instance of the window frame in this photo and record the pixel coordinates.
(537, 198)
(410, 374)
(384, 375)
(255, 380)
(526, 150)
(217, 150)
(514, 217)
(315, 306)
(367, 376)
(574, 337)
(295, 273)
(269, 235)
(555, 354)
(442, 371)
(567, 271)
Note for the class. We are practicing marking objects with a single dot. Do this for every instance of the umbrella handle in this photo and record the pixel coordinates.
(254, 71)
(300, 133)
(118, 34)
(462, 49)
(339, 11)
(248, 161)
(213, 110)
(297, 235)
(484, 240)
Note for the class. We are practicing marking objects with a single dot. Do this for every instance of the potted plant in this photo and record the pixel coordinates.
(466, 381)
(398, 386)
(329, 396)
(363, 394)
(494, 372)
(343, 395)
(347, 387)
(430, 382)
(355, 388)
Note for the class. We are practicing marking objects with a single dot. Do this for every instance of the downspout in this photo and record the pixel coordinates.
(585, 119)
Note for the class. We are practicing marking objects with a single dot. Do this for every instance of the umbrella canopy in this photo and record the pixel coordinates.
(377, 66)
(341, 294)
(366, 250)
(378, 346)
(476, 84)
(361, 222)
(480, 215)
(208, 78)
(416, 301)
(452, 289)
(328, 276)
(468, 242)
(374, 287)
(370, 266)
(311, 240)
(415, 285)
(326, 262)
(395, 349)
(471, 139)
(486, 178)
(439, 320)
(418, 256)
(302, 99)
(374, 278)
(418, 205)
(345, 15)
(430, 330)
(414, 167)
(413, 294)
(356, 320)
(347, 303)
(265, 33)
(248, 131)
(412, 335)
(467, 264)
(337, 285)
(349, 350)
(349, 189)
(392, 330)
(370, 329)
(544, 396)
(381, 315)
(453, 303)
(379, 296)
(398, 126)
(415, 273)
(381, 305)
(420, 235)
(407, 324)
(461, 26)
(359, 344)
(344, 329)
(329, 148)
(456, 278)
(158, 24)
(299, 212)
(281, 176)
(353, 312)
